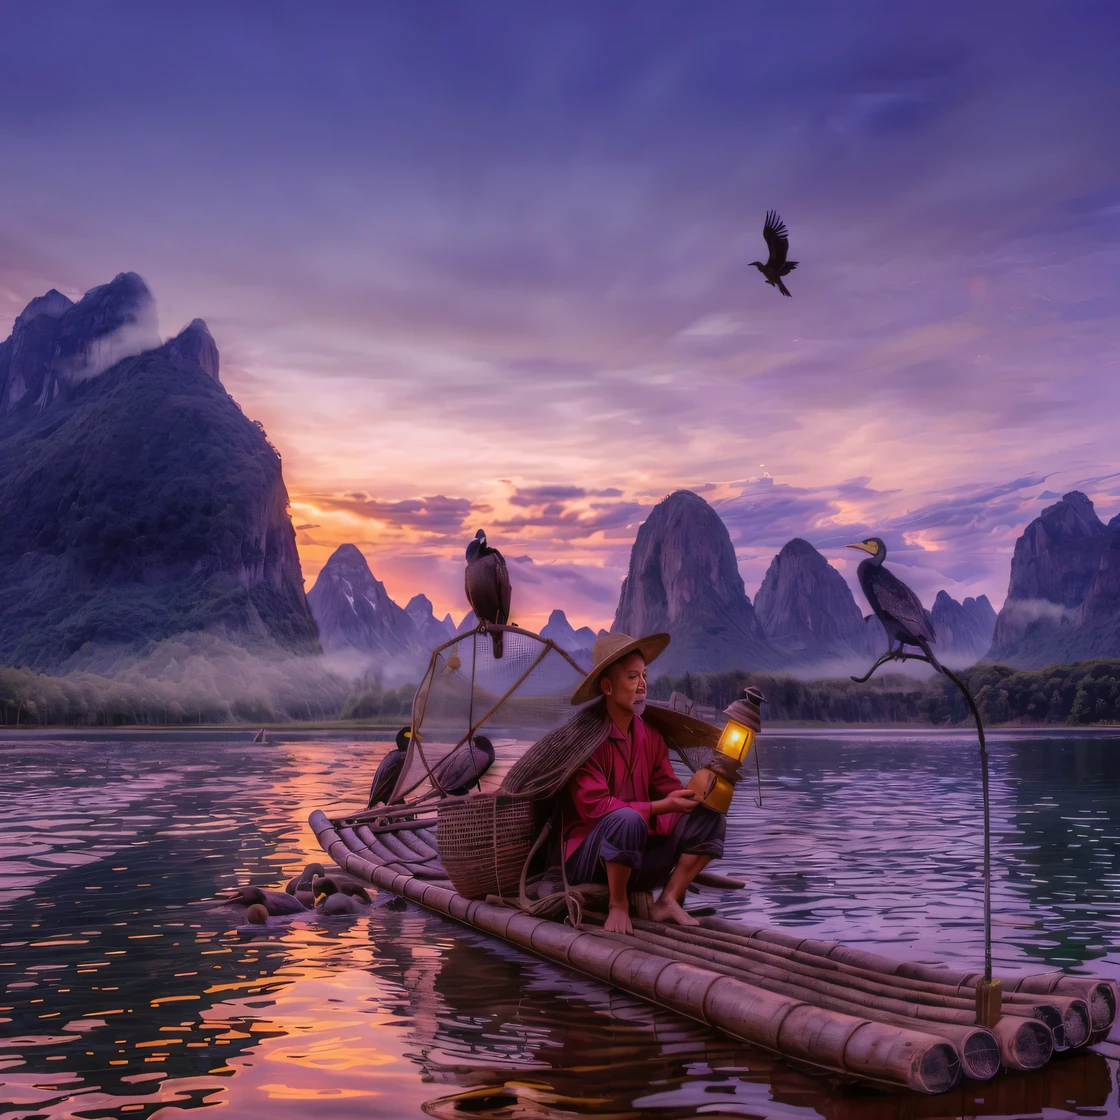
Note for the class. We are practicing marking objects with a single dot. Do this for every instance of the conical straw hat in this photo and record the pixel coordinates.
(614, 647)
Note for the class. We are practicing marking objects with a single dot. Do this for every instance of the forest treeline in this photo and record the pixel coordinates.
(1084, 692)
(214, 685)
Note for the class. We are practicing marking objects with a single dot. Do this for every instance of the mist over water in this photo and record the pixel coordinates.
(123, 997)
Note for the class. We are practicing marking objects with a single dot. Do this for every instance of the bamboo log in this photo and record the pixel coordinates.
(1069, 1015)
(362, 840)
(1066, 1017)
(884, 1053)
(404, 853)
(1100, 994)
(418, 845)
(977, 1048)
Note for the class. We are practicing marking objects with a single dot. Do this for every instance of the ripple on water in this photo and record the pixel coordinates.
(122, 996)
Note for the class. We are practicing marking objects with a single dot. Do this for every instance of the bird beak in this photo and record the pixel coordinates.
(871, 549)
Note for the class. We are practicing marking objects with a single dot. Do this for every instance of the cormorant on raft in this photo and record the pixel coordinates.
(900, 611)
(385, 779)
(464, 767)
(487, 585)
(777, 241)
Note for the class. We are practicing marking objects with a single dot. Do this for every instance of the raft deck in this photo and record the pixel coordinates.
(837, 1009)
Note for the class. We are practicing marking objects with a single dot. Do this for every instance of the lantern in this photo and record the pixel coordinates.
(715, 783)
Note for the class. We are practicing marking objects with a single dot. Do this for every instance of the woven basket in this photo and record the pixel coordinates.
(483, 842)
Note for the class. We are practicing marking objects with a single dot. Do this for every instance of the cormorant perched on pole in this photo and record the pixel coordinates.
(777, 241)
(389, 771)
(900, 611)
(487, 585)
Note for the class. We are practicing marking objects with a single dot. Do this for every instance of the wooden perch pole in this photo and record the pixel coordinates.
(988, 991)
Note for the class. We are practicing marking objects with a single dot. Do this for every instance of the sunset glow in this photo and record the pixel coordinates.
(496, 274)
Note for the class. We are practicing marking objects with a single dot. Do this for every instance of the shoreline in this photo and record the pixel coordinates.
(245, 733)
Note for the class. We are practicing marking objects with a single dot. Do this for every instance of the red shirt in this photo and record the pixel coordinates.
(627, 771)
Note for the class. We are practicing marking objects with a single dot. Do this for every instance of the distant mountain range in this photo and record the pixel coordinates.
(139, 503)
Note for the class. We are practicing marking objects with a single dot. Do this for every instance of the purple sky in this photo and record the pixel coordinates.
(488, 264)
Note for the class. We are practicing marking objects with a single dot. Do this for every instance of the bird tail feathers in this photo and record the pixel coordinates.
(783, 289)
(929, 653)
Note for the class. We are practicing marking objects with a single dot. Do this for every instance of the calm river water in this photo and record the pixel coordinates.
(123, 997)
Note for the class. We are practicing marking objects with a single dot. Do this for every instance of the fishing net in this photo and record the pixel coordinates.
(512, 700)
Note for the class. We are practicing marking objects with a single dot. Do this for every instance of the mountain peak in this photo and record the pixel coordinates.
(433, 631)
(807, 609)
(358, 621)
(964, 630)
(683, 578)
(195, 345)
(55, 343)
(559, 630)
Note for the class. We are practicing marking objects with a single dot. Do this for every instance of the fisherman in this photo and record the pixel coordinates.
(626, 814)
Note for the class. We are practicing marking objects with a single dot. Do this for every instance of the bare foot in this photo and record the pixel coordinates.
(618, 921)
(667, 910)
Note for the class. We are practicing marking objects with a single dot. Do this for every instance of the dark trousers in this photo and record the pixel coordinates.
(622, 837)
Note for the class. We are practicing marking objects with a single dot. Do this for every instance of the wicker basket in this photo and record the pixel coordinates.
(483, 842)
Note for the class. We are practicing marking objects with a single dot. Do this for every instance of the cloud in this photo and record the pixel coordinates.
(549, 495)
(557, 291)
(438, 514)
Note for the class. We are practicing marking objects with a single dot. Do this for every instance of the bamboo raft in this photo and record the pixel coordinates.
(831, 1007)
(838, 1009)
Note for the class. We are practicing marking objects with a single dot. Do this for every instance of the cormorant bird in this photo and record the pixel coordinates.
(462, 768)
(900, 611)
(275, 902)
(487, 585)
(301, 883)
(329, 887)
(337, 899)
(385, 779)
(777, 241)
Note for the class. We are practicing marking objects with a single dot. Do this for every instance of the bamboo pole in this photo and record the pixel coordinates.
(887, 1054)
(418, 844)
(1025, 1043)
(1098, 994)
(1067, 1017)
(977, 1047)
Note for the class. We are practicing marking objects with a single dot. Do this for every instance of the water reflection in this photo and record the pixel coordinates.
(123, 997)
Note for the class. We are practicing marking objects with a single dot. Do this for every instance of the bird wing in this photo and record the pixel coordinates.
(462, 767)
(505, 592)
(484, 586)
(897, 600)
(777, 239)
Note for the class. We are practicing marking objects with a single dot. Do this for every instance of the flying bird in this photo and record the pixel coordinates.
(385, 779)
(487, 585)
(900, 611)
(777, 241)
(464, 767)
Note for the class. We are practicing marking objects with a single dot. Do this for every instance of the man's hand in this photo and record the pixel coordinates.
(679, 801)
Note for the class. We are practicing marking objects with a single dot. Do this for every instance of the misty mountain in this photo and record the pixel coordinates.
(683, 578)
(808, 612)
(559, 630)
(1063, 599)
(964, 630)
(138, 501)
(432, 631)
(360, 626)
